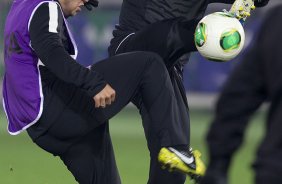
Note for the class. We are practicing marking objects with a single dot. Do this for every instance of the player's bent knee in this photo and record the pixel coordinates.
(155, 60)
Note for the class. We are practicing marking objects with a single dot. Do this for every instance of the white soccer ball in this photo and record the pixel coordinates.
(219, 37)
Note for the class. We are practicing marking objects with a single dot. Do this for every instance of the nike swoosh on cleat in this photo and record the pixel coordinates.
(187, 160)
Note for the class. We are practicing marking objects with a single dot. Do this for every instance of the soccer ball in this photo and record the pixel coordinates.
(219, 36)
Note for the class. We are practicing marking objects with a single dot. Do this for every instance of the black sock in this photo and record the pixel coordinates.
(181, 147)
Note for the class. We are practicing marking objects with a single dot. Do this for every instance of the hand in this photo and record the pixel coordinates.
(241, 9)
(105, 97)
(90, 4)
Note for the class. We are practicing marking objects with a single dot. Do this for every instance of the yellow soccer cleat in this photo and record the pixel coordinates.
(241, 9)
(185, 162)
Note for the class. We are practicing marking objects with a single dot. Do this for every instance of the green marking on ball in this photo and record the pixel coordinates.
(200, 35)
(230, 40)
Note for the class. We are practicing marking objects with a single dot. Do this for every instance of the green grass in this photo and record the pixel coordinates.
(21, 161)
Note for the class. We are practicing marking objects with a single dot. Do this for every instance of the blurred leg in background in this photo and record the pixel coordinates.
(256, 79)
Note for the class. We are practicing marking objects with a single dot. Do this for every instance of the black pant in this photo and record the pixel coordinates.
(170, 39)
(73, 129)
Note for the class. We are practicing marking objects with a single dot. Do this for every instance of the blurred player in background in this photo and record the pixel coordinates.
(256, 79)
(65, 107)
(167, 28)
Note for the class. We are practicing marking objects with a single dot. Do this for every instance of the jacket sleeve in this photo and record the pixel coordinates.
(46, 31)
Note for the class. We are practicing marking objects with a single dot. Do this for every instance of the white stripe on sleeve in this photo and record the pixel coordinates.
(53, 17)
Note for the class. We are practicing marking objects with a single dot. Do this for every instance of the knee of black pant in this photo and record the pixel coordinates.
(151, 63)
(155, 63)
(152, 56)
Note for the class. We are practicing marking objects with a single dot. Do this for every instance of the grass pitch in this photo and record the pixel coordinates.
(21, 161)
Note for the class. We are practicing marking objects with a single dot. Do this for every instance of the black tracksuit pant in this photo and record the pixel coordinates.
(170, 39)
(72, 128)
